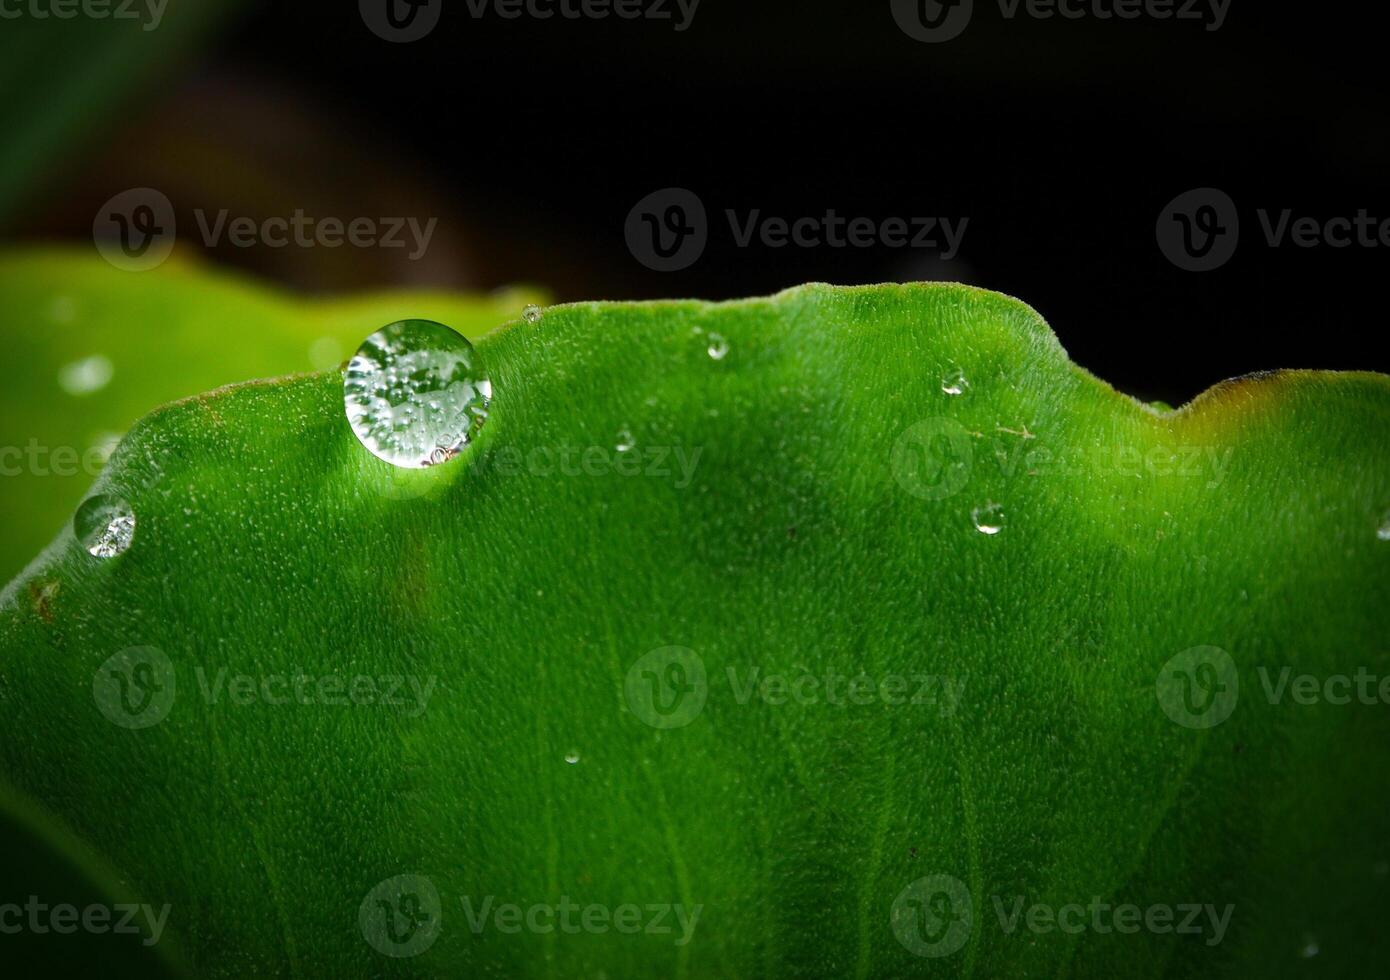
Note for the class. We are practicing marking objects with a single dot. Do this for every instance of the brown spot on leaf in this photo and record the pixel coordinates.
(41, 597)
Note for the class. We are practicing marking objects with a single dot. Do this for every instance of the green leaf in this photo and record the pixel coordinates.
(138, 340)
(1043, 721)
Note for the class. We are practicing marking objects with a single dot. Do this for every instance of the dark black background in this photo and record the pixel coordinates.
(1060, 140)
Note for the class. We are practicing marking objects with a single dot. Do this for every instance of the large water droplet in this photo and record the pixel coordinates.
(105, 525)
(718, 346)
(955, 382)
(91, 374)
(532, 314)
(415, 393)
(988, 519)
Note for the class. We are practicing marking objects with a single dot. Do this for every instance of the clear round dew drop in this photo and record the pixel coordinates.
(625, 442)
(532, 314)
(718, 346)
(105, 525)
(955, 382)
(572, 756)
(415, 393)
(988, 519)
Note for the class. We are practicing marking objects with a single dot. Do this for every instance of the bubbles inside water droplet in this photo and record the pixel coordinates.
(91, 374)
(571, 756)
(415, 393)
(105, 525)
(718, 346)
(955, 382)
(532, 314)
(988, 519)
(625, 441)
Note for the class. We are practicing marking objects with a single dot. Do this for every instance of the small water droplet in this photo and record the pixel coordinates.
(91, 374)
(1310, 947)
(625, 441)
(415, 393)
(105, 525)
(571, 756)
(532, 314)
(1383, 532)
(955, 382)
(988, 519)
(718, 346)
